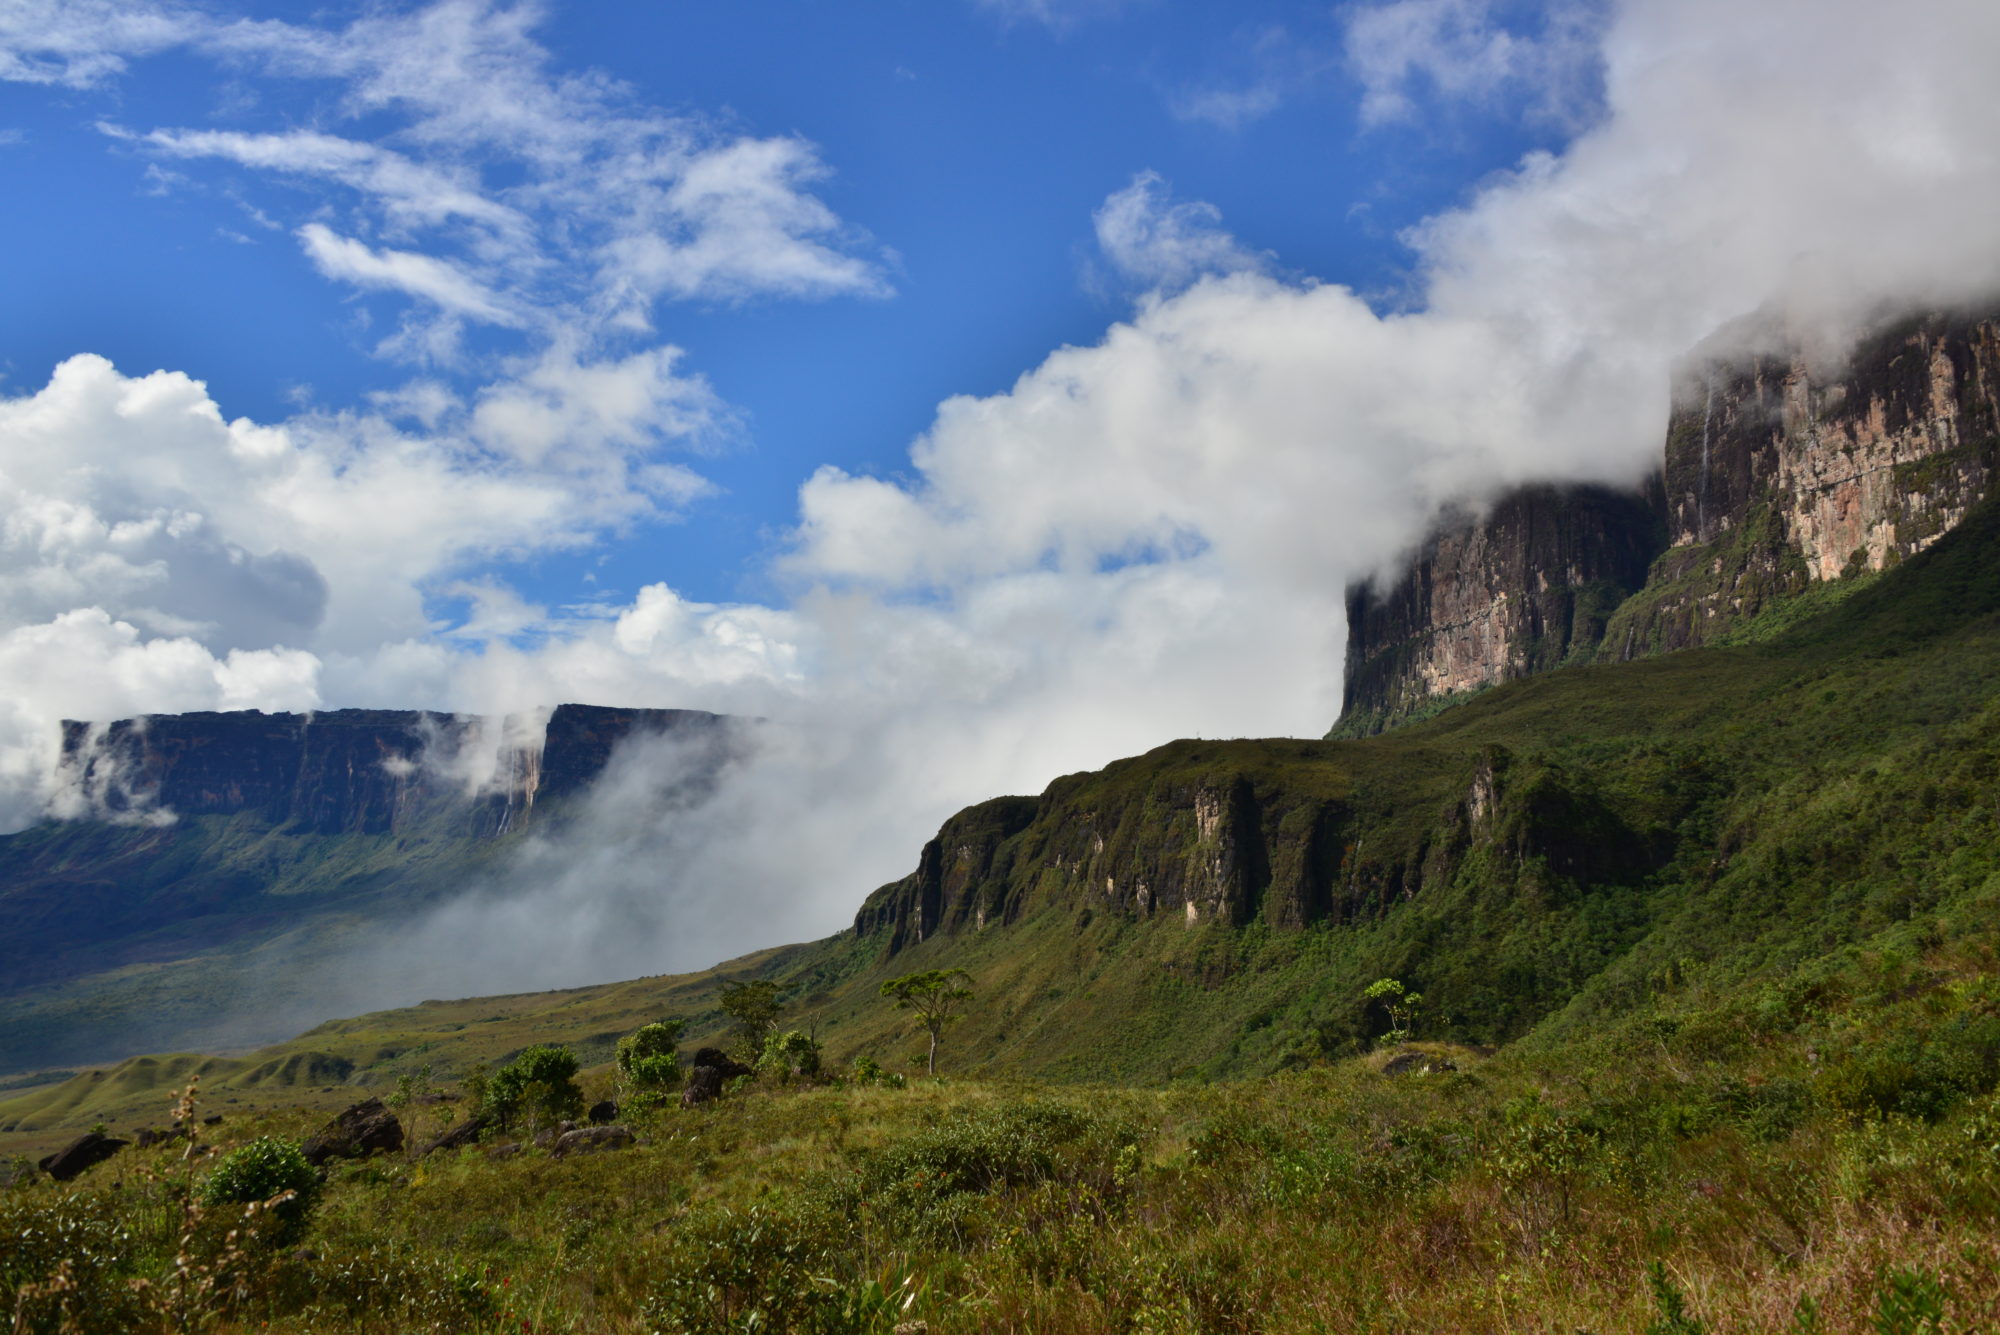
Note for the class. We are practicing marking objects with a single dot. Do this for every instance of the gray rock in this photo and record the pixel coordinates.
(86, 1151)
(703, 1084)
(585, 1139)
(361, 1129)
(459, 1135)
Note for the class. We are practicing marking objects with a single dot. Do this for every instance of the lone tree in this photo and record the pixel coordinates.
(649, 1057)
(755, 1008)
(541, 1083)
(935, 996)
(1401, 1003)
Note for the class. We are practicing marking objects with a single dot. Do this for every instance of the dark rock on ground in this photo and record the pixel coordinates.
(721, 1061)
(602, 1113)
(589, 1138)
(546, 1139)
(703, 1083)
(360, 1130)
(459, 1135)
(1417, 1063)
(86, 1151)
(213, 1119)
(507, 1151)
(147, 1137)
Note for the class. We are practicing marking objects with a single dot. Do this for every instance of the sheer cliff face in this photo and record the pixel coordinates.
(1779, 475)
(346, 771)
(1523, 588)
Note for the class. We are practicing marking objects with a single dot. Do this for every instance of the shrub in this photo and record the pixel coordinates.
(540, 1084)
(648, 1058)
(265, 1168)
(764, 1268)
(868, 1071)
(789, 1054)
(934, 1184)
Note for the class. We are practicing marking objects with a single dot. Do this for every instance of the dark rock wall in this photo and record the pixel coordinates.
(1779, 474)
(1520, 589)
(343, 771)
(1213, 832)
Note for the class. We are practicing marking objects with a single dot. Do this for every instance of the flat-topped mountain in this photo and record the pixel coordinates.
(1781, 476)
(192, 861)
(345, 771)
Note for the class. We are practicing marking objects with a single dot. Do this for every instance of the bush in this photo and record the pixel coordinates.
(868, 1071)
(648, 1057)
(764, 1268)
(540, 1083)
(935, 1184)
(789, 1054)
(265, 1168)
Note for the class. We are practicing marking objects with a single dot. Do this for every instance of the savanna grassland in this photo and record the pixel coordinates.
(1709, 952)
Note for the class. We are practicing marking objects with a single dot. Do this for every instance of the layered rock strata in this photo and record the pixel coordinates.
(1526, 586)
(1781, 470)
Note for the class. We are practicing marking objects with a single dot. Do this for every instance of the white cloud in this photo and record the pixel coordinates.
(1456, 51)
(1152, 240)
(346, 260)
(78, 43)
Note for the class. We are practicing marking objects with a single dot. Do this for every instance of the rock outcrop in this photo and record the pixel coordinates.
(1781, 474)
(1523, 587)
(1782, 470)
(80, 1155)
(363, 1129)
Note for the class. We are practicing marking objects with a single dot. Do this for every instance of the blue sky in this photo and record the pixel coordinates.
(966, 148)
(979, 390)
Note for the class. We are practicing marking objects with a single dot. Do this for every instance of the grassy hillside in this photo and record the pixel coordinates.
(1551, 857)
(1709, 947)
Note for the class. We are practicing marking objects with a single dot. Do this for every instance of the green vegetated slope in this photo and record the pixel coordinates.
(1551, 856)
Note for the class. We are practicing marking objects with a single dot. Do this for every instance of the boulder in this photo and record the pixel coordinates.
(585, 1139)
(86, 1151)
(721, 1061)
(602, 1113)
(546, 1139)
(703, 1083)
(362, 1129)
(458, 1135)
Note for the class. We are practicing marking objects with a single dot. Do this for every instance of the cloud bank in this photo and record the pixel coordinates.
(1142, 538)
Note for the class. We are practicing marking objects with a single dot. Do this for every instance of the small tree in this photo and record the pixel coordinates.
(541, 1083)
(936, 997)
(1401, 1003)
(649, 1058)
(792, 1053)
(755, 1009)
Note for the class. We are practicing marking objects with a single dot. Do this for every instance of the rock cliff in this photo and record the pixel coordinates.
(344, 771)
(1526, 586)
(1780, 474)
(1782, 470)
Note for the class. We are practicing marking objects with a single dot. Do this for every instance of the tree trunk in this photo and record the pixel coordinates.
(933, 1069)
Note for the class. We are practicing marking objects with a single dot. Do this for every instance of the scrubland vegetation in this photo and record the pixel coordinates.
(1818, 1155)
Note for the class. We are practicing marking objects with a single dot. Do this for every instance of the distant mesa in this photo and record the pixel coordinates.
(345, 771)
